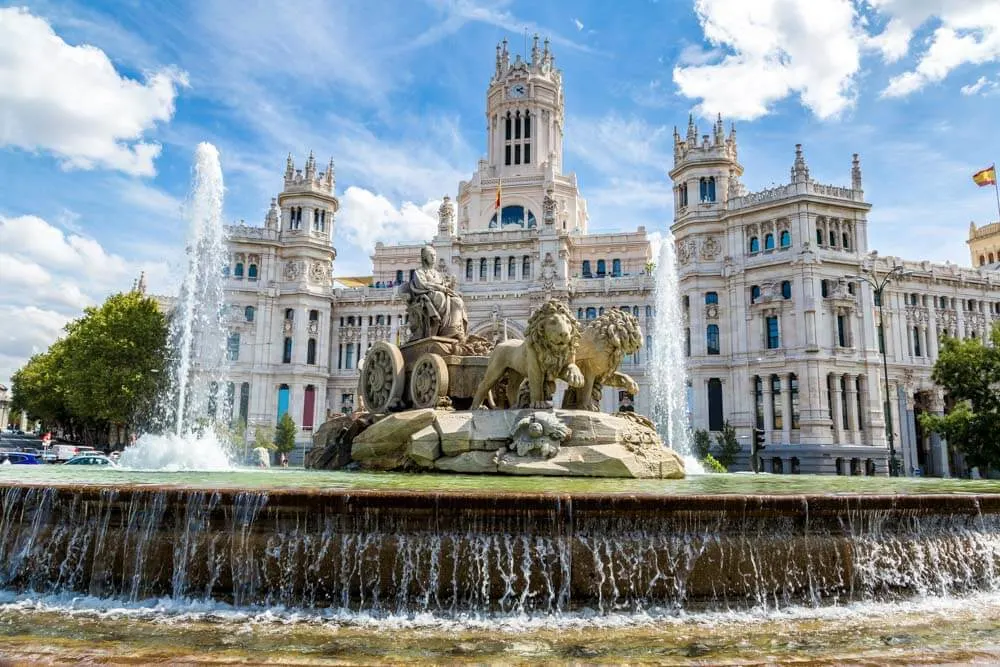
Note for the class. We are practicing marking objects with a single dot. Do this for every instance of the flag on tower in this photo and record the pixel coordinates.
(497, 204)
(986, 177)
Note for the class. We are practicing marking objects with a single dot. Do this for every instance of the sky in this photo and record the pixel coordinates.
(103, 103)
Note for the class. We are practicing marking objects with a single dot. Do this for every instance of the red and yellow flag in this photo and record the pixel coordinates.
(986, 177)
(497, 204)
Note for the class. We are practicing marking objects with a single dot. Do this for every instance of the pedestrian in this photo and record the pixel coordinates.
(284, 461)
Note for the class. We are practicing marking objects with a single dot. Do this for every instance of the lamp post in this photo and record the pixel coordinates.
(878, 285)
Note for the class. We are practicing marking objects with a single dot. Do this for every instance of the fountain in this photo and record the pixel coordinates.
(198, 337)
(581, 523)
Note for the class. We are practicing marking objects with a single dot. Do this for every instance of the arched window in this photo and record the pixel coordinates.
(586, 268)
(311, 352)
(754, 244)
(847, 241)
(754, 294)
(579, 313)
(283, 399)
(527, 126)
(716, 415)
(252, 272)
(412, 273)
(516, 216)
(526, 268)
(786, 289)
(635, 311)
(238, 271)
(795, 465)
(649, 311)
(711, 297)
(833, 239)
(468, 271)
(508, 129)
(712, 339)
(497, 267)
(600, 311)
(511, 269)
(591, 313)
(601, 268)
(248, 313)
(286, 355)
(289, 314)
(769, 242)
(399, 276)
(776, 465)
(785, 239)
(309, 406)
(616, 267)
(840, 466)
(819, 237)
(707, 190)
(991, 258)
(225, 271)
(314, 316)
(482, 269)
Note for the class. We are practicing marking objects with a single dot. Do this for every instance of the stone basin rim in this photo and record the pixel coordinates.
(802, 504)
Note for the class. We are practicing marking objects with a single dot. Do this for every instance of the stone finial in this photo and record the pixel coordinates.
(289, 168)
(856, 172)
(692, 134)
(328, 177)
(800, 172)
(273, 213)
(139, 285)
(535, 60)
(311, 167)
(719, 131)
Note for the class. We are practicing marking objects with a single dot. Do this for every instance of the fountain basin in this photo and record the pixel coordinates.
(457, 552)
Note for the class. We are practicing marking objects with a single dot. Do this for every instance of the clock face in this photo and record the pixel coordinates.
(518, 90)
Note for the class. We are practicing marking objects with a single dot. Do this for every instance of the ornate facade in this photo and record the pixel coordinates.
(781, 328)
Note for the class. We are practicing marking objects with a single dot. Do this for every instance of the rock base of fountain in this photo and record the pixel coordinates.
(513, 442)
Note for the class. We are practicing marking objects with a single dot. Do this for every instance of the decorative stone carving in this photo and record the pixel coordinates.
(603, 345)
(549, 207)
(710, 248)
(287, 326)
(313, 327)
(293, 270)
(684, 250)
(712, 311)
(548, 272)
(547, 353)
(432, 304)
(539, 433)
(319, 272)
(446, 217)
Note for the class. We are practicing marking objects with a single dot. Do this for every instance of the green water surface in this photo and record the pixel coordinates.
(740, 483)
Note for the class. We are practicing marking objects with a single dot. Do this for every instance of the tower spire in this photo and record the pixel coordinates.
(800, 172)
(856, 172)
(289, 168)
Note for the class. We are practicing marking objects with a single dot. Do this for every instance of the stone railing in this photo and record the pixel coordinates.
(238, 232)
(608, 283)
(791, 190)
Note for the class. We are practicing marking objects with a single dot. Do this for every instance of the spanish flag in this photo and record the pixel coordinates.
(496, 205)
(982, 178)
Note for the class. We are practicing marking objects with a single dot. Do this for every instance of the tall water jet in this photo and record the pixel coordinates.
(198, 338)
(198, 326)
(669, 383)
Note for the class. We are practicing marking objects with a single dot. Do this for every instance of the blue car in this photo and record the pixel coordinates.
(19, 458)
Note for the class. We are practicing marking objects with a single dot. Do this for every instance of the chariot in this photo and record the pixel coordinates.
(427, 373)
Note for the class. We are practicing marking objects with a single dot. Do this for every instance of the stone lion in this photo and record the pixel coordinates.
(546, 353)
(603, 344)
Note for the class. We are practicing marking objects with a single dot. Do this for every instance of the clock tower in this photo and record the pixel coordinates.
(524, 113)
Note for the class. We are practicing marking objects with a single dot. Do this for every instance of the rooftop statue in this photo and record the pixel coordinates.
(433, 305)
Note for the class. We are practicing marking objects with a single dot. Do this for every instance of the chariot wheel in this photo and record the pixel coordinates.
(428, 381)
(382, 377)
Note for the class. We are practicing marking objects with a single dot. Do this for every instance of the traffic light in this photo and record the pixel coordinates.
(756, 444)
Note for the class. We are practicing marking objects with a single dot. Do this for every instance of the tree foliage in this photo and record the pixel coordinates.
(969, 371)
(701, 442)
(107, 370)
(728, 445)
(284, 435)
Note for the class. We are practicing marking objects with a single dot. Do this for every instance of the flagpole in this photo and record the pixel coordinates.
(996, 190)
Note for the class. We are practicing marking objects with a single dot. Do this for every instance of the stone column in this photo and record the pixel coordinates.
(851, 396)
(768, 408)
(786, 395)
(904, 449)
(939, 445)
(838, 409)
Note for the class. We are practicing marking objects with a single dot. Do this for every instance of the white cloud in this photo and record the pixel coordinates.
(70, 101)
(776, 48)
(578, 23)
(813, 48)
(616, 145)
(982, 83)
(366, 218)
(49, 276)
(693, 54)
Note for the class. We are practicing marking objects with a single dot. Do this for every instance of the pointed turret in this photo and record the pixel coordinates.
(273, 215)
(535, 60)
(720, 132)
(856, 173)
(139, 286)
(800, 172)
(289, 168)
(311, 167)
(692, 135)
(329, 180)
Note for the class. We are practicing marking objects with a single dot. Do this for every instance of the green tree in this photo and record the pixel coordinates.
(701, 441)
(39, 390)
(728, 446)
(969, 371)
(284, 435)
(263, 436)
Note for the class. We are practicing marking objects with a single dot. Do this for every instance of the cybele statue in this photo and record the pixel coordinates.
(448, 401)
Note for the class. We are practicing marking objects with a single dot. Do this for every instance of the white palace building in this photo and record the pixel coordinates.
(782, 330)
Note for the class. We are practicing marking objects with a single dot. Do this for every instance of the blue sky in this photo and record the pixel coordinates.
(102, 104)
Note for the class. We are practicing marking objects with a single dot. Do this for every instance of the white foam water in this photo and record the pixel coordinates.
(174, 453)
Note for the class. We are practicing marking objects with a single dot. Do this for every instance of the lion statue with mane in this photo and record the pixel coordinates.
(547, 353)
(603, 345)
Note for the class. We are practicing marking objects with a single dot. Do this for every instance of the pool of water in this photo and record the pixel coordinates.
(929, 631)
(740, 483)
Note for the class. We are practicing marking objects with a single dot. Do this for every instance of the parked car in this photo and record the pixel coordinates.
(64, 452)
(91, 460)
(19, 458)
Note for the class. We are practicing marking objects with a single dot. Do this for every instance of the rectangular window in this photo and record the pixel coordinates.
(517, 153)
(716, 417)
(881, 340)
(777, 413)
(233, 347)
(527, 154)
(712, 339)
(687, 342)
(349, 357)
(773, 337)
(841, 331)
(517, 126)
(878, 298)
(506, 154)
(286, 355)
(916, 342)
(793, 382)
(759, 400)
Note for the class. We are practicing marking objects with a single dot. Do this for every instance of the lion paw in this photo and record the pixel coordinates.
(541, 405)
(573, 376)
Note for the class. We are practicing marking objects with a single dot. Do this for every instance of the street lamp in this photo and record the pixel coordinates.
(878, 285)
